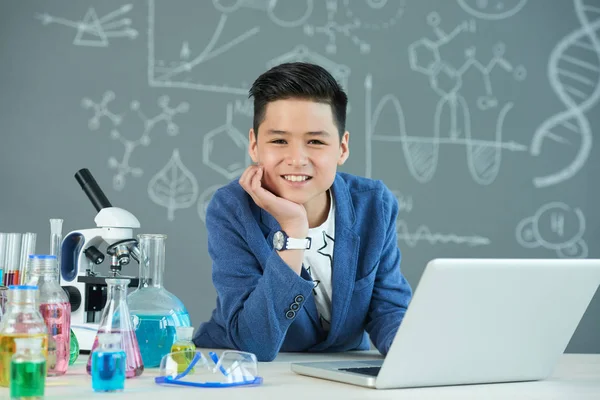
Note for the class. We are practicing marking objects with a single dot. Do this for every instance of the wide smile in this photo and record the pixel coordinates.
(296, 180)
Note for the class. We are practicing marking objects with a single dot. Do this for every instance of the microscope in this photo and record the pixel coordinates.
(80, 254)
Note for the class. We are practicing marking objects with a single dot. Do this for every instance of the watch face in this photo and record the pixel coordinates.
(278, 240)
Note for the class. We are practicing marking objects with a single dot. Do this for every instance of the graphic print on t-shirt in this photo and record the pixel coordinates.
(327, 249)
(320, 270)
(318, 261)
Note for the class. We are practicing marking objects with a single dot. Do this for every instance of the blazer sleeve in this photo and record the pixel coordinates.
(253, 300)
(391, 291)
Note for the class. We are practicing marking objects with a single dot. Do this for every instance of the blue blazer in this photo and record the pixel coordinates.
(264, 307)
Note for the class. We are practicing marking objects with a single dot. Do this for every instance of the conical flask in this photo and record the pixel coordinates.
(156, 312)
(116, 319)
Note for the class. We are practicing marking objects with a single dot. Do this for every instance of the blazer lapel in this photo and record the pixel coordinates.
(345, 256)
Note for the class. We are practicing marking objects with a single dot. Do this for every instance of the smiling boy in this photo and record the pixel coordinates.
(305, 258)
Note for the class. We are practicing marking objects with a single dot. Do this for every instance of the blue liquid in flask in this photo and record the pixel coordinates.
(156, 334)
(108, 371)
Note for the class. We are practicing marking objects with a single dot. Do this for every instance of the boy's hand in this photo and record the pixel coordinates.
(291, 216)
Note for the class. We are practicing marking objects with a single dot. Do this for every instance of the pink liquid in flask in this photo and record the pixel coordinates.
(57, 317)
(134, 365)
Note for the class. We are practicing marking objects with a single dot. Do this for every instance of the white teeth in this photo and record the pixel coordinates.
(295, 178)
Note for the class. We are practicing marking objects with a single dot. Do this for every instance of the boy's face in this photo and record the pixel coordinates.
(299, 147)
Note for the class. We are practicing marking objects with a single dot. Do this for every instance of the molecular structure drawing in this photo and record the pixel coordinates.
(93, 31)
(233, 161)
(483, 155)
(122, 167)
(331, 29)
(555, 226)
(343, 18)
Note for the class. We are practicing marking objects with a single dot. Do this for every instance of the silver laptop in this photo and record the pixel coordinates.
(478, 321)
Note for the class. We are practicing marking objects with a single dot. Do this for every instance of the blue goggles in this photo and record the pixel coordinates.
(192, 368)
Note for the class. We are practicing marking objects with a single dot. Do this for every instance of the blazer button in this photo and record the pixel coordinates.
(294, 306)
(299, 299)
(290, 314)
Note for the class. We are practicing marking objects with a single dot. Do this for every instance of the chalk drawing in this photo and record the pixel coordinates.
(93, 31)
(574, 74)
(174, 186)
(555, 226)
(122, 166)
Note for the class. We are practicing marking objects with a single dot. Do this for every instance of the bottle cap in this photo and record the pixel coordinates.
(31, 343)
(22, 287)
(184, 332)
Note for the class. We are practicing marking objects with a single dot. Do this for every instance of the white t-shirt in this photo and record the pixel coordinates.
(318, 261)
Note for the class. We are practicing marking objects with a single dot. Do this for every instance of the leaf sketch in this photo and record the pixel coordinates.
(174, 186)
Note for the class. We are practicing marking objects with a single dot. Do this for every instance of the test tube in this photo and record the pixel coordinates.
(13, 249)
(3, 240)
(27, 248)
(56, 239)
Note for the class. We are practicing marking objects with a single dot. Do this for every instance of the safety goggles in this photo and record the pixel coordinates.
(192, 368)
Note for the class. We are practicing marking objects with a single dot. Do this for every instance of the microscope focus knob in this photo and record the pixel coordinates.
(74, 296)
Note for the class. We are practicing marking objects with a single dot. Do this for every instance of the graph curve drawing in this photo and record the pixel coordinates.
(424, 234)
(574, 74)
(181, 73)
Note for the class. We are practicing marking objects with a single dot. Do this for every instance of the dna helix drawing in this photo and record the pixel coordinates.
(574, 75)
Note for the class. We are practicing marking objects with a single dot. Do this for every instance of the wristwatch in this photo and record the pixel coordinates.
(281, 241)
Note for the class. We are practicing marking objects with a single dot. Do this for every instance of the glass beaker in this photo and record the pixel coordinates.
(55, 309)
(155, 311)
(22, 320)
(116, 319)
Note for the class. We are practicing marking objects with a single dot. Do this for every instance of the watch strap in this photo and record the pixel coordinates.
(298, 244)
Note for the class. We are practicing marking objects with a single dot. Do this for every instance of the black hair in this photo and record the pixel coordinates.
(299, 80)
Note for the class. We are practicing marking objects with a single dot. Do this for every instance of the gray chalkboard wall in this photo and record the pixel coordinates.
(481, 115)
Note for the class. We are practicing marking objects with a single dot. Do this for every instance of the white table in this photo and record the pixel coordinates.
(577, 376)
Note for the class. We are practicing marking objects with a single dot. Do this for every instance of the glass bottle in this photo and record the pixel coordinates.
(184, 348)
(55, 241)
(55, 309)
(21, 320)
(156, 312)
(116, 319)
(28, 370)
(108, 364)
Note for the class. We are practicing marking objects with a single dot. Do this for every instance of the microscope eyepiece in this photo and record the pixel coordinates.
(92, 190)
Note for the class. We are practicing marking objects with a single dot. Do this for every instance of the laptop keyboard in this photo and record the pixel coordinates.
(371, 371)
